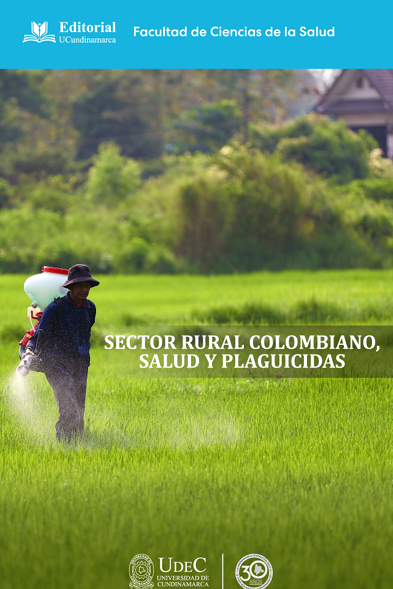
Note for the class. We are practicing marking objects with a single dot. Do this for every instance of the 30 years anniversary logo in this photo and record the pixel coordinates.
(254, 571)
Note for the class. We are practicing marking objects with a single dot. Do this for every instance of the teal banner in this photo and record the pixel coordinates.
(199, 35)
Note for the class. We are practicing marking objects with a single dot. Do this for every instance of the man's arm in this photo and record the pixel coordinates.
(92, 312)
(45, 328)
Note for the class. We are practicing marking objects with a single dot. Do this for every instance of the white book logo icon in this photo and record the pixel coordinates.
(39, 33)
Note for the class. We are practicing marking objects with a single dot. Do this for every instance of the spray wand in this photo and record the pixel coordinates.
(28, 358)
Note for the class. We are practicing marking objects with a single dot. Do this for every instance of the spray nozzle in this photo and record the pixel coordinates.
(25, 364)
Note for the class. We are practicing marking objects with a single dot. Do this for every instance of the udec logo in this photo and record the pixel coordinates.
(141, 571)
(182, 567)
(254, 571)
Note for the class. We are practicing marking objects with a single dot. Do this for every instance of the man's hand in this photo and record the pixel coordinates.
(29, 353)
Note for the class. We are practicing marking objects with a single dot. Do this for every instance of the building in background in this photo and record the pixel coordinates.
(364, 99)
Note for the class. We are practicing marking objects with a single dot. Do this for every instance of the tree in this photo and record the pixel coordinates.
(107, 114)
(18, 90)
(112, 177)
(209, 127)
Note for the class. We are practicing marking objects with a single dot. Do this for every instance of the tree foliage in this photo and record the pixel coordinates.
(251, 211)
(325, 146)
(208, 127)
(90, 170)
(112, 177)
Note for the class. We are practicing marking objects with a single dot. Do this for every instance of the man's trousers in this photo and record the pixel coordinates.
(68, 379)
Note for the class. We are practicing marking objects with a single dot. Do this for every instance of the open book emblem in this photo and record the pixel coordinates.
(39, 33)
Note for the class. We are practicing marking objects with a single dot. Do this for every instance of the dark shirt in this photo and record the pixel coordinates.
(64, 333)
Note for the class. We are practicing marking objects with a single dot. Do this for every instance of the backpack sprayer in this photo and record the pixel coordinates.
(41, 289)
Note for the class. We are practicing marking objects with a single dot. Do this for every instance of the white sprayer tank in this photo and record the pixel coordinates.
(44, 288)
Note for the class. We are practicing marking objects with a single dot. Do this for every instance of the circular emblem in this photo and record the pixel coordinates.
(141, 571)
(254, 571)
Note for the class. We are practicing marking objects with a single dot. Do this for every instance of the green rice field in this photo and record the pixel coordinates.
(297, 470)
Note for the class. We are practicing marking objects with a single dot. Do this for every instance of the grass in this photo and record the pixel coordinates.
(297, 470)
(181, 299)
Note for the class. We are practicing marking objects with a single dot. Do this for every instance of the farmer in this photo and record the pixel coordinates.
(62, 341)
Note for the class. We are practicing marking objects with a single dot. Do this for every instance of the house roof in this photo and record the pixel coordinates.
(342, 107)
(381, 80)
